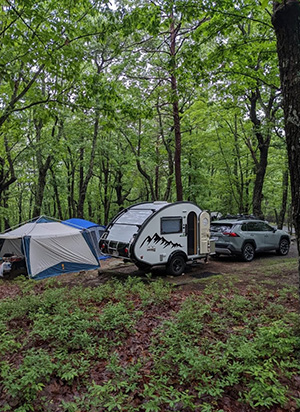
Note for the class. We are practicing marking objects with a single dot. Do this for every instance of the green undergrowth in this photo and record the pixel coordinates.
(147, 347)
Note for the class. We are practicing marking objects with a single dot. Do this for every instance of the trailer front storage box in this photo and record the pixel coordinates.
(159, 233)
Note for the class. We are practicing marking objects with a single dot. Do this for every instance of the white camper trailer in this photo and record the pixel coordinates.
(159, 233)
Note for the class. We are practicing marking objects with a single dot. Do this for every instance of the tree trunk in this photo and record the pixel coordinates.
(7, 177)
(190, 177)
(56, 194)
(70, 183)
(176, 117)
(81, 167)
(121, 194)
(157, 180)
(167, 144)
(20, 204)
(285, 186)
(261, 168)
(247, 189)
(263, 144)
(5, 206)
(39, 195)
(105, 185)
(119, 190)
(84, 182)
(43, 168)
(239, 169)
(286, 21)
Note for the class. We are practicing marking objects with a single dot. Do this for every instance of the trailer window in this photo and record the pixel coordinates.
(171, 225)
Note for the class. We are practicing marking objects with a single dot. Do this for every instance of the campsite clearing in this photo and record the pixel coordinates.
(197, 276)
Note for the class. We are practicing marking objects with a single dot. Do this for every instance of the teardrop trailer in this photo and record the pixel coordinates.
(159, 233)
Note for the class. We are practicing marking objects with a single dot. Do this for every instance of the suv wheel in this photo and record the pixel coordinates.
(248, 252)
(284, 247)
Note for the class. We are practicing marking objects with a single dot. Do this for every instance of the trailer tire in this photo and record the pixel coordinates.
(176, 265)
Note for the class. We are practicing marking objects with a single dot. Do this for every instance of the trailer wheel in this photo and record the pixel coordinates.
(176, 265)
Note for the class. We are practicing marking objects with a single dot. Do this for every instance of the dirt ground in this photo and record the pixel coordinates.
(196, 276)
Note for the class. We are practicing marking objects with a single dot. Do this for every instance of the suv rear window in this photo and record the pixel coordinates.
(220, 227)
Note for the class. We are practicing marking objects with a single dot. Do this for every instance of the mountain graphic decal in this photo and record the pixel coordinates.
(156, 239)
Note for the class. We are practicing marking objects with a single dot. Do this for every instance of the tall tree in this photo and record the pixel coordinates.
(246, 70)
(263, 137)
(165, 31)
(286, 21)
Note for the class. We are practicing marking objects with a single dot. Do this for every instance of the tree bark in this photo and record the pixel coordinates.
(5, 205)
(263, 144)
(43, 168)
(286, 22)
(238, 168)
(167, 144)
(176, 116)
(56, 194)
(7, 177)
(84, 181)
(70, 183)
(105, 184)
(285, 186)
(157, 180)
(261, 168)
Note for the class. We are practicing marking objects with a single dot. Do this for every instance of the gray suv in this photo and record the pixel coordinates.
(245, 237)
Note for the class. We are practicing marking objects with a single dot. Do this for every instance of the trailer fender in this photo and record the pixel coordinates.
(177, 252)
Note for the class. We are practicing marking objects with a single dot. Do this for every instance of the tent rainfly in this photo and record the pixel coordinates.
(50, 248)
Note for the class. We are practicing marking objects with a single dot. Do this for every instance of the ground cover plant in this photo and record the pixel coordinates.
(150, 346)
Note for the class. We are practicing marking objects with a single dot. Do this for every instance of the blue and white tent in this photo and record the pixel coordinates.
(94, 229)
(50, 248)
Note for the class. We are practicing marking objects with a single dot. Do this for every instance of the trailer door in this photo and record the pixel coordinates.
(192, 234)
(204, 231)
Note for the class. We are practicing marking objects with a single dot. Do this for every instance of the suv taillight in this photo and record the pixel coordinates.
(231, 234)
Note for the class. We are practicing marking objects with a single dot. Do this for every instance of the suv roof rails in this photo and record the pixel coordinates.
(239, 217)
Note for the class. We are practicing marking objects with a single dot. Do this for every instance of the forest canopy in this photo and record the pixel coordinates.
(103, 104)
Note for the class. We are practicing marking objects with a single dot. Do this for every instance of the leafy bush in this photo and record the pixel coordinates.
(27, 380)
